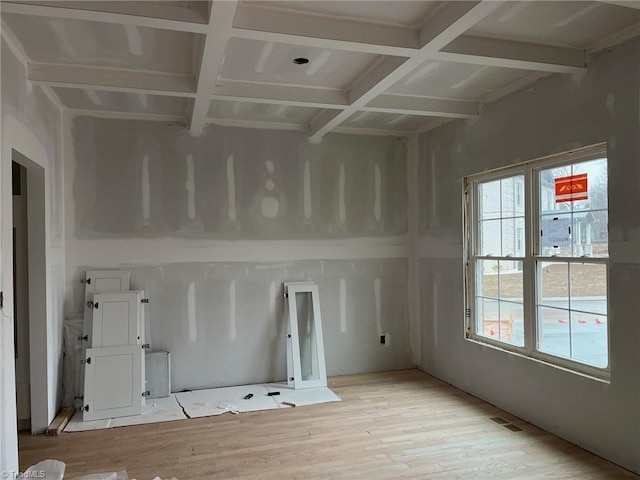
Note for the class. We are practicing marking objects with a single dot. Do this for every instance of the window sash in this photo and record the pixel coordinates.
(532, 198)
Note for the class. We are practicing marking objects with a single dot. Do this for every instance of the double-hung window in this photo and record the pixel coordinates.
(536, 259)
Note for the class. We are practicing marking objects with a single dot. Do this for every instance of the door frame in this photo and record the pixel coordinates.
(21, 294)
(37, 265)
(31, 153)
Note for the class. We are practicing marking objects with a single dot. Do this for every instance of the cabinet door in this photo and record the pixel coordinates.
(100, 281)
(117, 319)
(113, 382)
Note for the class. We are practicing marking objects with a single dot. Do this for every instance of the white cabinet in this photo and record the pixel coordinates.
(100, 281)
(114, 373)
(113, 382)
(118, 319)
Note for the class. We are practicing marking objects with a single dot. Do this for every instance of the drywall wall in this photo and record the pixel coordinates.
(553, 115)
(212, 226)
(144, 179)
(225, 323)
(31, 133)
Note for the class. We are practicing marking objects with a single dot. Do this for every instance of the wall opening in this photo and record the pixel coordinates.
(30, 293)
(21, 295)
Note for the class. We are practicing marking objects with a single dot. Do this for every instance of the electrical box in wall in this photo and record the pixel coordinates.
(158, 374)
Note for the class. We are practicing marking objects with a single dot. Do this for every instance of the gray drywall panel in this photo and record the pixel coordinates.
(553, 115)
(104, 44)
(148, 179)
(75, 98)
(225, 324)
(31, 107)
(31, 126)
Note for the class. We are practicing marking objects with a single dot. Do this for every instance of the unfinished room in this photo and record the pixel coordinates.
(319, 239)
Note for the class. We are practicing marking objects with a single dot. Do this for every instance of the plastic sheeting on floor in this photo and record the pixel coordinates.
(211, 402)
(55, 470)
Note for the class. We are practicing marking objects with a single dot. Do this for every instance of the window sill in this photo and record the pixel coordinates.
(603, 377)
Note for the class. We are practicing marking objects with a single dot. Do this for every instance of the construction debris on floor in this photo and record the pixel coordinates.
(216, 401)
(54, 470)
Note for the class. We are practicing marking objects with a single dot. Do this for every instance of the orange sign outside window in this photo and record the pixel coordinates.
(571, 189)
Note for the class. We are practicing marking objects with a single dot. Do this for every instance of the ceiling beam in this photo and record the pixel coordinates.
(372, 131)
(265, 23)
(511, 54)
(229, 122)
(382, 76)
(450, 21)
(258, 22)
(301, 128)
(616, 38)
(515, 86)
(433, 124)
(119, 80)
(220, 21)
(623, 3)
(311, 97)
(271, 93)
(185, 16)
(123, 115)
(111, 79)
(430, 107)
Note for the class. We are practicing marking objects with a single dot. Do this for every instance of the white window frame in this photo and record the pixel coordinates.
(531, 260)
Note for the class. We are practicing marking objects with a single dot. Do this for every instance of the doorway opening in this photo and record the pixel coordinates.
(21, 295)
(29, 292)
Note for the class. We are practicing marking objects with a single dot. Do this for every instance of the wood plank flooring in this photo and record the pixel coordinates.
(402, 424)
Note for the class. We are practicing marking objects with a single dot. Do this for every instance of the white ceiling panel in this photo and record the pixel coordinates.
(261, 112)
(122, 102)
(57, 40)
(399, 12)
(160, 51)
(387, 121)
(462, 81)
(571, 23)
(257, 61)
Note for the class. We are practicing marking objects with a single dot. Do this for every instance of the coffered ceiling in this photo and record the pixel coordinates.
(370, 66)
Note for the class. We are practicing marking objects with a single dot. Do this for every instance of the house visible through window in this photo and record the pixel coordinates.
(519, 193)
(537, 260)
(520, 241)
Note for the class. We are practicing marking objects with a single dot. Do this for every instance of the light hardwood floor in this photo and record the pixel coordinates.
(402, 424)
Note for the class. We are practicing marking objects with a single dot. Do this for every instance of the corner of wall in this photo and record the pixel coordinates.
(413, 209)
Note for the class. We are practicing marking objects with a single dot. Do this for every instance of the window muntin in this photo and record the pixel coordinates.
(549, 301)
(572, 294)
(500, 216)
(572, 306)
(499, 287)
(586, 220)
